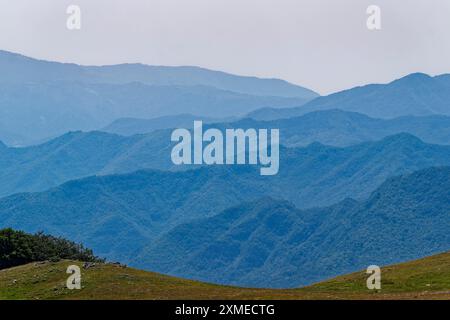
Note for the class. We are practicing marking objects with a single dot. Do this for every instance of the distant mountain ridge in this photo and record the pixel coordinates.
(116, 215)
(149, 219)
(271, 243)
(78, 154)
(35, 111)
(132, 126)
(17, 68)
(416, 94)
(41, 99)
(331, 127)
(342, 128)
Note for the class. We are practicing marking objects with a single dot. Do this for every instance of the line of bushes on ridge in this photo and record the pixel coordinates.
(18, 248)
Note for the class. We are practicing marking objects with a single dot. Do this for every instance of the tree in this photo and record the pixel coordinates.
(17, 248)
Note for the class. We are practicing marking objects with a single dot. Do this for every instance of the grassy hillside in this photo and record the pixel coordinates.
(427, 278)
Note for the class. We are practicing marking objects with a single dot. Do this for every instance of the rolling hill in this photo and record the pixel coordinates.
(270, 243)
(414, 95)
(427, 278)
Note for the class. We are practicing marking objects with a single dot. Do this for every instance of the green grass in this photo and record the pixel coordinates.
(427, 278)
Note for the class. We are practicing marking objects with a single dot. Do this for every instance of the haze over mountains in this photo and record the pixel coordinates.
(271, 243)
(330, 127)
(77, 154)
(337, 205)
(118, 214)
(417, 94)
(262, 243)
(41, 99)
(131, 126)
(17, 68)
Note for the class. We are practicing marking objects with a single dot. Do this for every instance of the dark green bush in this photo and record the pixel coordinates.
(17, 248)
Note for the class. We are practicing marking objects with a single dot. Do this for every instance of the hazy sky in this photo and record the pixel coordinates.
(321, 44)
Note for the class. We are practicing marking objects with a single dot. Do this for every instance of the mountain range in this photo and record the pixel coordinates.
(42, 99)
(17, 68)
(270, 243)
(132, 126)
(330, 127)
(118, 214)
(417, 94)
(364, 173)
(80, 154)
(148, 219)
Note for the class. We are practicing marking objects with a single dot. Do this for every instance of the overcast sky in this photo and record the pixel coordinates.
(321, 44)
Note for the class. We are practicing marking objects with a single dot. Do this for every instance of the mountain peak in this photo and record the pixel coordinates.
(417, 77)
(419, 186)
(402, 138)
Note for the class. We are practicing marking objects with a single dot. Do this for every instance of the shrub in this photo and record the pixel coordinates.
(17, 248)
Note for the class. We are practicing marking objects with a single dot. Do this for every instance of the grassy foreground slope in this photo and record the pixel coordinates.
(428, 278)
